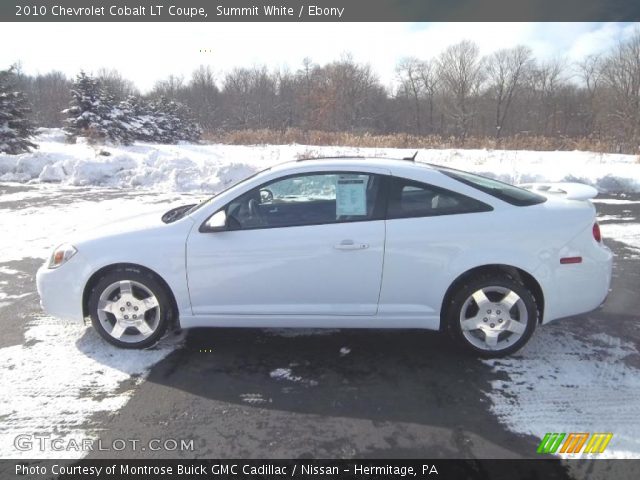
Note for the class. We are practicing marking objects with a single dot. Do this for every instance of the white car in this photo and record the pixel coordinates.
(342, 243)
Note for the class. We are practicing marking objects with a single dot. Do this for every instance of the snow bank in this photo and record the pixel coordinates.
(209, 168)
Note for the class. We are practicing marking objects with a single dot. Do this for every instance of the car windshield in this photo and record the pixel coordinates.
(504, 191)
(230, 186)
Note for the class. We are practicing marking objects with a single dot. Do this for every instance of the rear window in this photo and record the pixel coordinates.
(408, 198)
(508, 193)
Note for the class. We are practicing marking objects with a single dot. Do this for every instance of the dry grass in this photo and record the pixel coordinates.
(401, 140)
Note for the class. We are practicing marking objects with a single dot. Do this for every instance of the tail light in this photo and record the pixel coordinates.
(596, 232)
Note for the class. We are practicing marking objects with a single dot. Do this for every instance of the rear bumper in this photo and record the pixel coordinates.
(61, 290)
(579, 288)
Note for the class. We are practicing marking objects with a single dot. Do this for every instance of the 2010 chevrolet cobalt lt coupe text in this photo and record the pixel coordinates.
(343, 243)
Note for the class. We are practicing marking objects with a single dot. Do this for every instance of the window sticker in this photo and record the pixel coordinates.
(351, 195)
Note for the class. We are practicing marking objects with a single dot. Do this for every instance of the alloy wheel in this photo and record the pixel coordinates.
(493, 318)
(128, 311)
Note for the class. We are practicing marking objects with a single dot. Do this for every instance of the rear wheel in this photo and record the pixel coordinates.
(492, 315)
(129, 308)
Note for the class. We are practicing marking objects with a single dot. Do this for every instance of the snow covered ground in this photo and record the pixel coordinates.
(564, 383)
(61, 377)
(208, 168)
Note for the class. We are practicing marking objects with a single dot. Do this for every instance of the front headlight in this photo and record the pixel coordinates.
(61, 255)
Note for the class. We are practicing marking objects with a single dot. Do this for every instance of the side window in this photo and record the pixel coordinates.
(408, 198)
(308, 199)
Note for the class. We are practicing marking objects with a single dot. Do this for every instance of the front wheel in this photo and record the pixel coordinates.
(129, 308)
(492, 315)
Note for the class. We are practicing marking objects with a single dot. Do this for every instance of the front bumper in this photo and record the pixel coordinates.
(61, 290)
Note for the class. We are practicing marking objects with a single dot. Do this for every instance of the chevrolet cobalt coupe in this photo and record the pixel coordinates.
(342, 243)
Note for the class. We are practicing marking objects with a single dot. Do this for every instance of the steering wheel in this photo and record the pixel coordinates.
(266, 195)
(254, 210)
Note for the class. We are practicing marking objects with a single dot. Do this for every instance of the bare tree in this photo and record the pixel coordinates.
(202, 96)
(589, 72)
(285, 109)
(115, 84)
(172, 87)
(250, 97)
(505, 69)
(48, 95)
(430, 82)
(460, 70)
(353, 92)
(621, 74)
(409, 72)
(306, 77)
(545, 82)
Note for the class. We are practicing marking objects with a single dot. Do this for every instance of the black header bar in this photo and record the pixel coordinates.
(318, 10)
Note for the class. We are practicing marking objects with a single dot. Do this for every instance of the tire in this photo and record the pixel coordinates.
(492, 315)
(130, 308)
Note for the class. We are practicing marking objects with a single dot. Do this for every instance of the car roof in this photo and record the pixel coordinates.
(392, 164)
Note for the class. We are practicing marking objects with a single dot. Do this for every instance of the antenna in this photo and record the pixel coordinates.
(412, 158)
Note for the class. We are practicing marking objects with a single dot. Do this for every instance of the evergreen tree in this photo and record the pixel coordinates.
(174, 122)
(119, 123)
(15, 127)
(190, 131)
(92, 113)
(85, 114)
(142, 119)
(166, 122)
(126, 121)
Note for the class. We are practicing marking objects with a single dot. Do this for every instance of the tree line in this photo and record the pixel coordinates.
(457, 94)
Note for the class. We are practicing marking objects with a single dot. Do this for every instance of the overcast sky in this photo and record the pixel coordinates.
(146, 52)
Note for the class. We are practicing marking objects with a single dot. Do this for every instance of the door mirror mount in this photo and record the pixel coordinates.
(216, 222)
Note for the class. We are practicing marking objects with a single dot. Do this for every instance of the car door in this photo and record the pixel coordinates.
(306, 244)
(428, 227)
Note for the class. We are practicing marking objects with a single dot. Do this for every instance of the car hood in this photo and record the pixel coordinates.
(137, 224)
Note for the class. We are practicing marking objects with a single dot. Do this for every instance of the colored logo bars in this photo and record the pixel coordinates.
(597, 442)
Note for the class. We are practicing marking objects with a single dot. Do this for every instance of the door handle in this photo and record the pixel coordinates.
(350, 245)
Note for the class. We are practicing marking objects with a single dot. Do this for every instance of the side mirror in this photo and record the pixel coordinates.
(216, 223)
